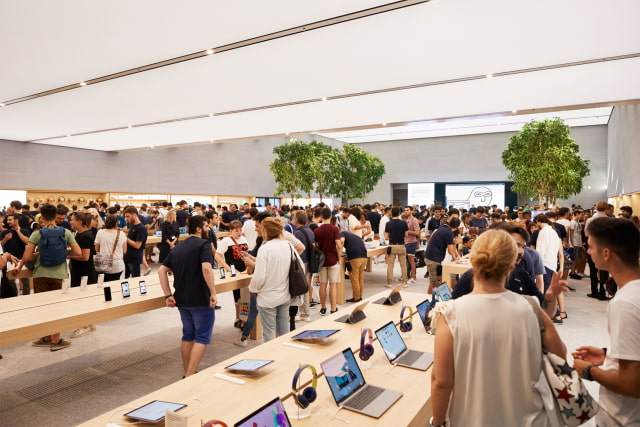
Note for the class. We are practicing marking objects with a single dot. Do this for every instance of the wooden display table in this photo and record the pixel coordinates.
(458, 267)
(230, 402)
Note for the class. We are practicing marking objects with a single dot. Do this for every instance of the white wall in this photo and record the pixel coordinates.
(477, 158)
(624, 151)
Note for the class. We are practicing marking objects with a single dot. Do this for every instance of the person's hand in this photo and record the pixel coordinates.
(213, 301)
(579, 365)
(589, 355)
(170, 302)
(557, 286)
(7, 237)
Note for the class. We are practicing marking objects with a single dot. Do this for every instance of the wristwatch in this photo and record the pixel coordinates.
(168, 296)
(431, 424)
(586, 373)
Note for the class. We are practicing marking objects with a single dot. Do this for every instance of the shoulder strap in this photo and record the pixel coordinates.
(537, 311)
(306, 238)
(115, 243)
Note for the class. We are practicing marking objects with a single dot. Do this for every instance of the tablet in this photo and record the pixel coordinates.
(154, 411)
(248, 365)
(315, 333)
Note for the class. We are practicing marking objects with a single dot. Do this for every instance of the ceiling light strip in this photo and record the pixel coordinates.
(371, 92)
(231, 46)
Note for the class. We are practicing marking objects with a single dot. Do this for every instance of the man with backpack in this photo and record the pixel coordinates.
(50, 263)
(303, 233)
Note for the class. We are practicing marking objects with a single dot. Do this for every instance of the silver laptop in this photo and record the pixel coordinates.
(397, 351)
(350, 390)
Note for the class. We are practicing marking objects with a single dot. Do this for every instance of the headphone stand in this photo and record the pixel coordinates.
(365, 365)
(297, 413)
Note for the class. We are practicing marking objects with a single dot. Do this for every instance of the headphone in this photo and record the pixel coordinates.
(408, 325)
(214, 423)
(309, 394)
(366, 350)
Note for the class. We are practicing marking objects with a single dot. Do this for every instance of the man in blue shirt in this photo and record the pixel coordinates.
(440, 243)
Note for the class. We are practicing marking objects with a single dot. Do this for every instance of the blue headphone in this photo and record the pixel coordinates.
(309, 394)
(366, 350)
(408, 325)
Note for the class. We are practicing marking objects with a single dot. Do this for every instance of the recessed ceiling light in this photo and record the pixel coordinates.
(129, 126)
(213, 141)
(514, 111)
(83, 83)
(489, 76)
(68, 136)
(211, 115)
(209, 52)
(384, 124)
(324, 98)
(152, 146)
(1, 104)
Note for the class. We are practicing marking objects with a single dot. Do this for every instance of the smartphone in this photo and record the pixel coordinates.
(107, 293)
(126, 292)
(233, 270)
(222, 273)
(143, 287)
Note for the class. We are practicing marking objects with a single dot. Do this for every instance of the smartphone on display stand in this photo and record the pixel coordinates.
(222, 273)
(233, 270)
(100, 280)
(143, 287)
(126, 292)
(107, 293)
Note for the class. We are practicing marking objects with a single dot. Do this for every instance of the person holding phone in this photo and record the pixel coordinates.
(191, 263)
(229, 254)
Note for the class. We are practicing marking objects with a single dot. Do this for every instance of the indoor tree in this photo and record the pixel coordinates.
(290, 169)
(544, 161)
(356, 174)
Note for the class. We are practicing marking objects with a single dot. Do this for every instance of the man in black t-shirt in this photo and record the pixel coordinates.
(395, 232)
(182, 214)
(14, 240)
(440, 243)
(195, 294)
(136, 239)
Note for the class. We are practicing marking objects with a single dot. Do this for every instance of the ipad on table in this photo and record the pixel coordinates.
(154, 411)
(315, 336)
(248, 366)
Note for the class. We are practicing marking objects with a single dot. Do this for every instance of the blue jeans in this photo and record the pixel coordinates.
(197, 323)
(131, 270)
(274, 321)
(251, 318)
(546, 279)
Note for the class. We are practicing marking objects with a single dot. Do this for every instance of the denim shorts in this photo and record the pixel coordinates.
(411, 248)
(197, 323)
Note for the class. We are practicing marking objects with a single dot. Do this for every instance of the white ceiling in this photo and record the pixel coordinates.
(49, 45)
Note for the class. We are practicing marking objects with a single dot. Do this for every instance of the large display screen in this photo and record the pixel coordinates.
(474, 195)
(421, 194)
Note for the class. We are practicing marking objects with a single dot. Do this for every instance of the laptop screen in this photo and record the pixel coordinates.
(271, 414)
(423, 310)
(343, 375)
(391, 341)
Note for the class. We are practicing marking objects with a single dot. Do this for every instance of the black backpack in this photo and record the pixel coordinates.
(316, 257)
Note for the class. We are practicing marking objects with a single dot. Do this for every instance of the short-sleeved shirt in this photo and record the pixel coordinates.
(353, 245)
(532, 262)
(479, 223)
(137, 233)
(413, 226)
(14, 245)
(326, 236)
(84, 268)
(55, 272)
(374, 219)
(300, 234)
(181, 217)
(213, 239)
(518, 281)
(185, 261)
(433, 223)
(437, 247)
(231, 250)
(396, 229)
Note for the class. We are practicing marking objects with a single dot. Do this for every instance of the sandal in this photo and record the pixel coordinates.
(563, 315)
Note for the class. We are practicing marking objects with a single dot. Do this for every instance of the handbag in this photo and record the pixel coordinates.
(104, 263)
(298, 284)
(570, 403)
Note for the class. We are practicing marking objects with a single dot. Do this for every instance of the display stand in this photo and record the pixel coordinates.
(365, 365)
(297, 413)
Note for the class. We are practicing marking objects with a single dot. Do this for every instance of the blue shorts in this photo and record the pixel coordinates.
(411, 248)
(197, 323)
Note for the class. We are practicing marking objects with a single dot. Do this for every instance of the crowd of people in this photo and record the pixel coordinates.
(527, 251)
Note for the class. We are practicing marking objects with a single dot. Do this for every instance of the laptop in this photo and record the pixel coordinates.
(355, 316)
(349, 389)
(423, 311)
(397, 351)
(270, 414)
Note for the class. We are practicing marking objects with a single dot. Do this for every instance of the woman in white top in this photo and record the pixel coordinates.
(105, 240)
(487, 347)
(270, 282)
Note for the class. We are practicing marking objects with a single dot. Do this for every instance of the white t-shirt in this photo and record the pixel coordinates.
(576, 233)
(383, 223)
(548, 245)
(106, 240)
(623, 325)
(567, 224)
(249, 231)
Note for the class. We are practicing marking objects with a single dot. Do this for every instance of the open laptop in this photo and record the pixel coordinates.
(350, 390)
(270, 414)
(397, 351)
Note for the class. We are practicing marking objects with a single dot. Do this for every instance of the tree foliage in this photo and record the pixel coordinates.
(544, 161)
(316, 167)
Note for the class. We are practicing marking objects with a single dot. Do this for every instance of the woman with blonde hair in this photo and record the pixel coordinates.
(488, 347)
(170, 235)
(270, 282)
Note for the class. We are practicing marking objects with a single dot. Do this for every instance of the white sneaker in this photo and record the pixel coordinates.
(80, 332)
(241, 343)
(305, 318)
(411, 281)
(389, 285)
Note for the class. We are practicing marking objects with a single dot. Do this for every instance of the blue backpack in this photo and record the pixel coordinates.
(52, 246)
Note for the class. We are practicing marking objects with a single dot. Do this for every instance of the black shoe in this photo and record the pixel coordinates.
(218, 307)
(313, 303)
(571, 289)
(354, 300)
(603, 297)
(576, 276)
(333, 311)
(593, 296)
(557, 321)
(323, 312)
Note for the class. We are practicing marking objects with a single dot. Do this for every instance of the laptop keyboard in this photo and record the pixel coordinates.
(410, 357)
(366, 396)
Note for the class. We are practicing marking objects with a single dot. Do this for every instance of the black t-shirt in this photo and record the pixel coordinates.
(185, 261)
(560, 229)
(84, 268)
(232, 256)
(433, 223)
(227, 217)
(170, 231)
(181, 217)
(213, 239)
(519, 281)
(396, 229)
(437, 247)
(14, 245)
(534, 238)
(137, 233)
(353, 245)
(374, 219)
